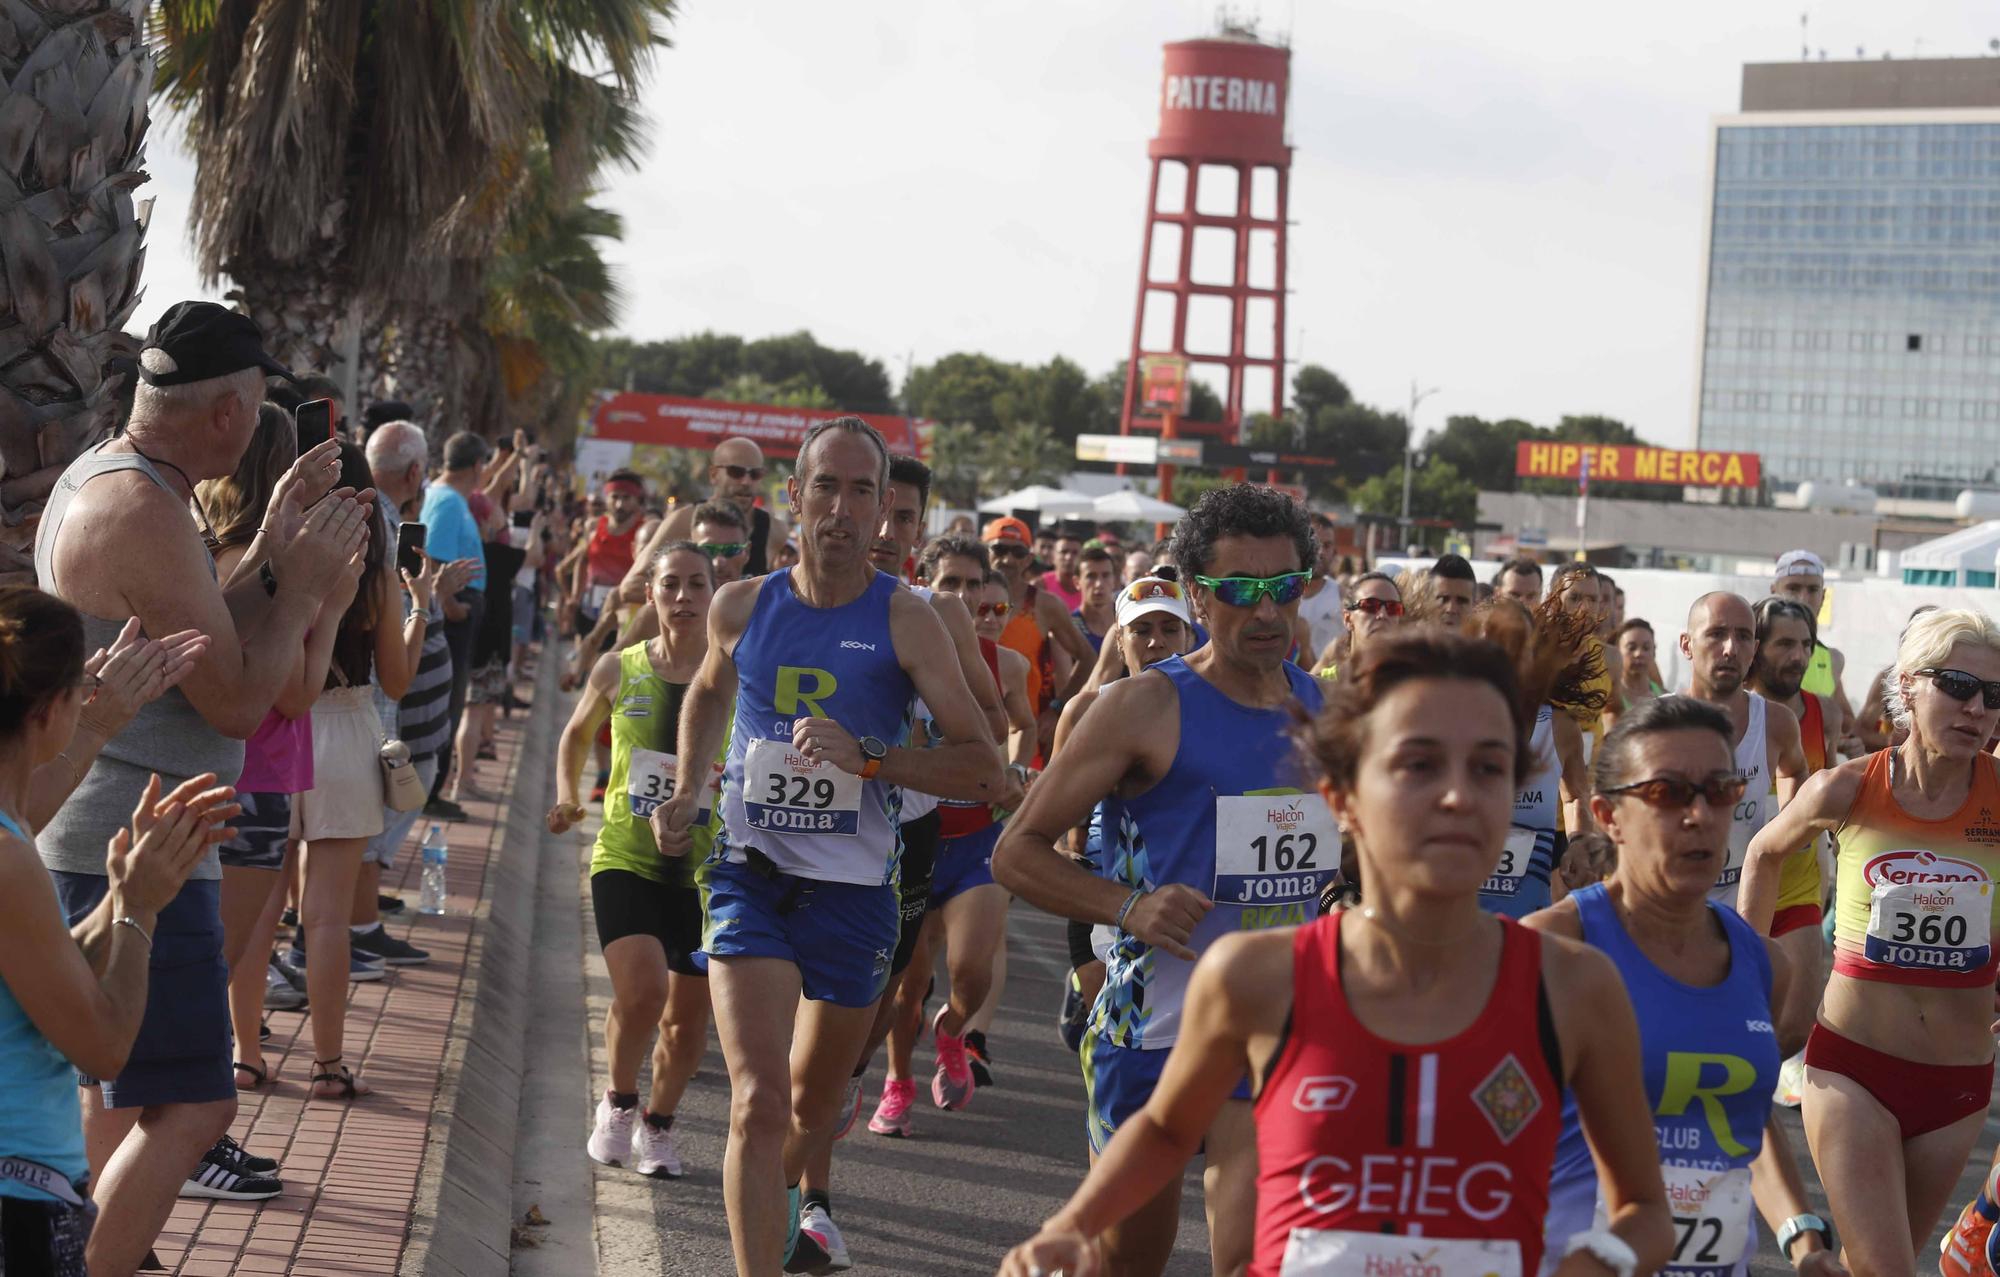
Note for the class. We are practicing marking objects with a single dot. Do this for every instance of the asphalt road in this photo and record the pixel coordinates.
(948, 1200)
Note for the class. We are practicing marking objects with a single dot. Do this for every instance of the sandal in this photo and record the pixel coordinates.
(259, 1078)
(348, 1087)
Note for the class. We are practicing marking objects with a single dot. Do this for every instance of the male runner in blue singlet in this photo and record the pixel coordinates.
(1208, 828)
(822, 662)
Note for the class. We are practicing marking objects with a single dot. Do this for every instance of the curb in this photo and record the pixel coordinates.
(462, 1217)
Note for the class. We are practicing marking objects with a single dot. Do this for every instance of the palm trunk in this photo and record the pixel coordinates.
(73, 85)
(300, 305)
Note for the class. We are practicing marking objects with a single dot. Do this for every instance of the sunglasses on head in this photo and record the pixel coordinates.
(1152, 588)
(1961, 686)
(1244, 591)
(723, 549)
(752, 473)
(1375, 607)
(1670, 792)
(993, 609)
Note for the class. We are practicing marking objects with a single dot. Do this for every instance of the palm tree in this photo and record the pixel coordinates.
(73, 84)
(353, 153)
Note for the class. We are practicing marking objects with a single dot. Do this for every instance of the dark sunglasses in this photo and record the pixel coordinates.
(723, 549)
(752, 473)
(1244, 591)
(1670, 792)
(1375, 607)
(1961, 686)
(1008, 550)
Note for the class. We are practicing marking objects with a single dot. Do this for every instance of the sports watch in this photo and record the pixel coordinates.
(1798, 1226)
(873, 752)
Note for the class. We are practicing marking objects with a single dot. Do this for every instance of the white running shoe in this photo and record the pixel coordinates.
(1791, 1082)
(653, 1151)
(611, 1141)
(816, 1221)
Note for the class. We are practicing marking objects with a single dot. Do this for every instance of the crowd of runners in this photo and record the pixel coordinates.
(1415, 906)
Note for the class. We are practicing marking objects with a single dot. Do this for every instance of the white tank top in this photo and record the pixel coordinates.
(1753, 765)
(1538, 800)
(1321, 613)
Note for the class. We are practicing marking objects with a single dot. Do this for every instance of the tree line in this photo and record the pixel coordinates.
(1002, 425)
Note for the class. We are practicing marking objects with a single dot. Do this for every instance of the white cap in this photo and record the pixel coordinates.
(1152, 594)
(1800, 563)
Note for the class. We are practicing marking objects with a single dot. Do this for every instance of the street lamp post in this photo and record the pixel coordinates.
(1410, 451)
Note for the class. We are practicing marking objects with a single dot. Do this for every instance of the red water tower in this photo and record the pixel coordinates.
(1215, 248)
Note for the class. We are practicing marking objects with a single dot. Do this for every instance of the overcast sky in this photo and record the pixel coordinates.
(1503, 201)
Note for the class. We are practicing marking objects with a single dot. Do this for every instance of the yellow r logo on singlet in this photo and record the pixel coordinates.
(1684, 1070)
(794, 690)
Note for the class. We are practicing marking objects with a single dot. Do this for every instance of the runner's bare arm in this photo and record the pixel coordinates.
(1780, 1193)
(592, 708)
(965, 641)
(1568, 739)
(1237, 1002)
(1786, 746)
(1128, 738)
(966, 764)
(1820, 805)
(1055, 618)
(632, 589)
(1600, 1046)
(1023, 741)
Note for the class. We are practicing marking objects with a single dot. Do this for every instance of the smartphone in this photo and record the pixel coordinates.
(410, 547)
(524, 518)
(316, 423)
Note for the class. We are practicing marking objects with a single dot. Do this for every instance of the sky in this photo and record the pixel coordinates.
(1502, 202)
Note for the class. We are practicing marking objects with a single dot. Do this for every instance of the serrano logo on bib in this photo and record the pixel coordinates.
(1900, 867)
(1928, 912)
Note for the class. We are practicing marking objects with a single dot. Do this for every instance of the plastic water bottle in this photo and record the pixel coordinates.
(431, 898)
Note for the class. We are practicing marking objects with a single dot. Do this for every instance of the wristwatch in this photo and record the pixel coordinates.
(873, 752)
(1607, 1248)
(1799, 1225)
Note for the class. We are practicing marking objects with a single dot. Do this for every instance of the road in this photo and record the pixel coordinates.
(949, 1200)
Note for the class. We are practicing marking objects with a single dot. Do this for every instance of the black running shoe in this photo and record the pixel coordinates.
(388, 904)
(380, 946)
(220, 1176)
(245, 1160)
(977, 1059)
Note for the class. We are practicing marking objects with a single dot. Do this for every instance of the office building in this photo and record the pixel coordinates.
(1851, 314)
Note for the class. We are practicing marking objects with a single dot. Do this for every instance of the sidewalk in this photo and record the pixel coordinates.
(352, 1170)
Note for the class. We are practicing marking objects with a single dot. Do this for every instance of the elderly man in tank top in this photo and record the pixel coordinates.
(117, 541)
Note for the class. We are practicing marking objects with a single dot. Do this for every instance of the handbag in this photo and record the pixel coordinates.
(402, 788)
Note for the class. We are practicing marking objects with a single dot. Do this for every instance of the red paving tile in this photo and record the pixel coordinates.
(350, 1170)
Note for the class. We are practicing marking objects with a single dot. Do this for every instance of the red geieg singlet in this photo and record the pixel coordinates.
(956, 819)
(1365, 1144)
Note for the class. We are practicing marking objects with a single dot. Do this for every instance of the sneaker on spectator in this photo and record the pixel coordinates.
(359, 969)
(279, 995)
(221, 1175)
(444, 809)
(291, 967)
(379, 946)
(388, 904)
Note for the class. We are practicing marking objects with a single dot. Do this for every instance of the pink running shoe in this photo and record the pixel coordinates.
(892, 1115)
(952, 1086)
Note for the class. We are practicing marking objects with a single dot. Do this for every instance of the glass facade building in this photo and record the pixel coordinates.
(1852, 310)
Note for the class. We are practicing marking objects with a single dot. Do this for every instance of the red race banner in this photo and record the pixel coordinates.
(673, 422)
(1611, 463)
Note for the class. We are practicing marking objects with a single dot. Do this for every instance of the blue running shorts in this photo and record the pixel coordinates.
(840, 935)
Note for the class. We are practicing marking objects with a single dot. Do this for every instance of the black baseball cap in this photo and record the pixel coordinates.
(200, 341)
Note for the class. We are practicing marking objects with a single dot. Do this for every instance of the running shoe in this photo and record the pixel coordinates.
(976, 1057)
(1967, 1250)
(892, 1115)
(1791, 1082)
(1074, 1015)
(388, 904)
(815, 1223)
(951, 1086)
(359, 969)
(291, 967)
(379, 946)
(611, 1140)
(850, 1105)
(803, 1253)
(653, 1152)
(223, 1174)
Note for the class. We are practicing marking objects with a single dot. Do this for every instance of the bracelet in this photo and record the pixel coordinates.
(1125, 909)
(127, 920)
